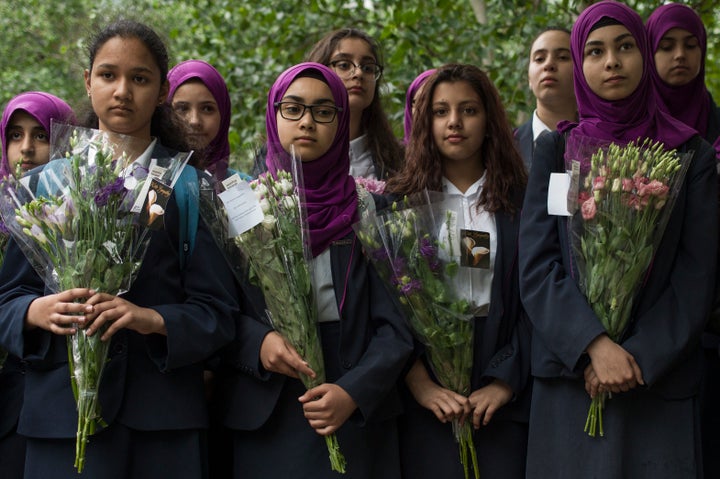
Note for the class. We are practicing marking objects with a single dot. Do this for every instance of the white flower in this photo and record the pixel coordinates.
(269, 222)
(265, 205)
(286, 186)
(288, 202)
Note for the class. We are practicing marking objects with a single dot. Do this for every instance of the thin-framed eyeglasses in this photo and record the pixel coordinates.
(346, 69)
(294, 111)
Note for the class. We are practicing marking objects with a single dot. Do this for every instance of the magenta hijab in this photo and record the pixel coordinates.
(329, 190)
(410, 96)
(688, 103)
(43, 107)
(636, 116)
(217, 152)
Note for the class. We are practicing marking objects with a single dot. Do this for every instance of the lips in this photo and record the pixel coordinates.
(548, 80)
(615, 79)
(454, 138)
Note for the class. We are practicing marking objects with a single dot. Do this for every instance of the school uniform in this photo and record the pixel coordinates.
(653, 430)
(525, 142)
(12, 445)
(501, 342)
(151, 394)
(364, 352)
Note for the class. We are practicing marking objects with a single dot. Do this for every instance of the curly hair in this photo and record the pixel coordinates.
(505, 172)
(385, 147)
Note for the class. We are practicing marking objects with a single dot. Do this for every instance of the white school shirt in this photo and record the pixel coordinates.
(361, 159)
(538, 127)
(477, 220)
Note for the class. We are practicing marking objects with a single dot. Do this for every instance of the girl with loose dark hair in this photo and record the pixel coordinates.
(355, 56)
(462, 144)
(175, 314)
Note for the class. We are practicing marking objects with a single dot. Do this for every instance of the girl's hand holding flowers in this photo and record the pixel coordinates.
(59, 313)
(327, 407)
(487, 400)
(615, 368)
(119, 313)
(447, 405)
(278, 356)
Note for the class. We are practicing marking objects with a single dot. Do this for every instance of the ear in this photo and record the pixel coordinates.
(164, 89)
(86, 74)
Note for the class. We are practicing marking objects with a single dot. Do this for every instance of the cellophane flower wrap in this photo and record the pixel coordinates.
(275, 254)
(75, 222)
(625, 196)
(416, 250)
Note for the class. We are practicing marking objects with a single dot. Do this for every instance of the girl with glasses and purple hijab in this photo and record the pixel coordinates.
(25, 134)
(678, 39)
(364, 339)
(651, 425)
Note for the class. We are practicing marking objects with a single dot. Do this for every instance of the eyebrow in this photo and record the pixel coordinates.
(300, 99)
(545, 50)
(110, 66)
(347, 56)
(617, 39)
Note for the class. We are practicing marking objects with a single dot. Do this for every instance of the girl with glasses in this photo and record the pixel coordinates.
(365, 343)
(355, 58)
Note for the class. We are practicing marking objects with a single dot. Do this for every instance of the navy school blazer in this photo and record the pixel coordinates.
(374, 346)
(150, 382)
(672, 307)
(525, 142)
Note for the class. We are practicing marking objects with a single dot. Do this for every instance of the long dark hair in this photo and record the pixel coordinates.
(383, 144)
(166, 125)
(505, 171)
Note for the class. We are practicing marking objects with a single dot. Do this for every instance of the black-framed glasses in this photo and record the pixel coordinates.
(293, 111)
(345, 69)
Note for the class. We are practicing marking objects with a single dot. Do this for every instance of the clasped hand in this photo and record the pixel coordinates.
(63, 313)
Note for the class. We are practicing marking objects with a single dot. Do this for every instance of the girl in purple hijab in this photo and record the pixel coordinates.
(651, 425)
(25, 129)
(25, 134)
(364, 340)
(679, 43)
(198, 93)
(413, 90)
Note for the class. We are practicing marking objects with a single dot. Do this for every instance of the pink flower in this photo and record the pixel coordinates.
(599, 183)
(588, 209)
(654, 188)
(627, 184)
(583, 196)
(371, 184)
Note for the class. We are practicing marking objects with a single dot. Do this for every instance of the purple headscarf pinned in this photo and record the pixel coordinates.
(329, 190)
(412, 90)
(688, 103)
(43, 107)
(217, 151)
(636, 116)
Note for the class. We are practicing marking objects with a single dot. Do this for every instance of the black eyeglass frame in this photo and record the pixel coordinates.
(335, 108)
(346, 75)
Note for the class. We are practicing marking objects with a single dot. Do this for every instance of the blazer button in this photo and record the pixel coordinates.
(346, 364)
(119, 349)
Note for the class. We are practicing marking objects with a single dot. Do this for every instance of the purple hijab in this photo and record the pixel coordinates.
(43, 107)
(412, 90)
(688, 103)
(636, 116)
(329, 190)
(218, 150)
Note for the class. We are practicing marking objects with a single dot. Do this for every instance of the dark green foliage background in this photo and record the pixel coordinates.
(251, 42)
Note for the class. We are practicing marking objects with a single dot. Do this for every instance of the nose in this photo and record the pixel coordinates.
(454, 119)
(28, 145)
(550, 65)
(679, 51)
(122, 89)
(612, 61)
(193, 117)
(306, 120)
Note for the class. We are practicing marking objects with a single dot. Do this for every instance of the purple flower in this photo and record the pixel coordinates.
(410, 286)
(116, 188)
(3, 229)
(427, 249)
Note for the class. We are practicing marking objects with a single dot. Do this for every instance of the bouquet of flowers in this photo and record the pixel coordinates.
(416, 249)
(78, 221)
(625, 202)
(275, 250)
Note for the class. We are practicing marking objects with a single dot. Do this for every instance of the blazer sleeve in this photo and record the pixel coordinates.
(511, 363)
(561, 317)
(376, 372)
(671, 321)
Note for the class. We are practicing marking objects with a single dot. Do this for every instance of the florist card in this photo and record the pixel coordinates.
(153, 210)
(475, 247)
